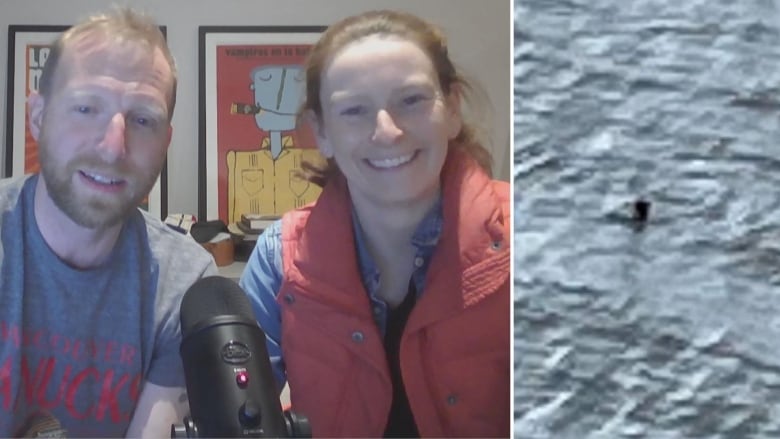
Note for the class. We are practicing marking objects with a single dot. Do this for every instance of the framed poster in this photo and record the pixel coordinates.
(28, 50)
(251, 142)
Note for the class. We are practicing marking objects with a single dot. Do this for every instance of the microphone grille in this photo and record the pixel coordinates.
(210, 297)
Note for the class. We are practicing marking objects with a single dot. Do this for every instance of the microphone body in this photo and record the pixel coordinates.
(230, 385)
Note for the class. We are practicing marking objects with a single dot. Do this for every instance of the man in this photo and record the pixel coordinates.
(90, 286)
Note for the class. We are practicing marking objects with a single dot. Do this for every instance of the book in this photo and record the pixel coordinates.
(248, 232)
(180, 222)
(257, 222)
(242, 232)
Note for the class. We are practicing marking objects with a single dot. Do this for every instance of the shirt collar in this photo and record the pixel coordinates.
(425, 238)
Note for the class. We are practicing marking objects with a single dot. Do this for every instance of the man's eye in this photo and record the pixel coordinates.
(84, 109)
(144, 121)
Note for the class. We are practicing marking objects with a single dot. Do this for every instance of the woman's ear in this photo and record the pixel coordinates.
(454, 115)
(35, 104)
(319, 133)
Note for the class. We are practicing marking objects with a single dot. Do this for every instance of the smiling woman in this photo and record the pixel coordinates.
(389, 129)
(391, 291)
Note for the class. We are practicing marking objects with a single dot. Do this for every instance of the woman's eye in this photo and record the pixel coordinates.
(84, 109)
(352, 111)
(413, 99)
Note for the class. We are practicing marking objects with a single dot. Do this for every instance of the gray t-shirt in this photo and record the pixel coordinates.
(79, 344)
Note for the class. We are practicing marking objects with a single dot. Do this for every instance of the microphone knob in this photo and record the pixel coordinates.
(186, 430)
(249, 414)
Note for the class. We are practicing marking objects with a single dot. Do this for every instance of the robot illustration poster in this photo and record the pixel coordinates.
(260, 140)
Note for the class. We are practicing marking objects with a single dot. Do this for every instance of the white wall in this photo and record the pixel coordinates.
(478, 31)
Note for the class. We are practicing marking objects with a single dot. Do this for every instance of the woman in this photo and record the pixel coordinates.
(386, 303)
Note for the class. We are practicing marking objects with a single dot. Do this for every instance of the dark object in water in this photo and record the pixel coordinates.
(641, 210)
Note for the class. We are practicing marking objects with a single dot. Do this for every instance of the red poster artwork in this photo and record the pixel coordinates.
(35, 56)
(260, 140)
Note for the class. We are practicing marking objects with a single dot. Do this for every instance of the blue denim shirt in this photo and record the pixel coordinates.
(262, 278)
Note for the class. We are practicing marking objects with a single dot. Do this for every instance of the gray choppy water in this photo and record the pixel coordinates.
(671, 330)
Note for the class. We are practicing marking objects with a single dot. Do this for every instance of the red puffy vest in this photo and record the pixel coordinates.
(455, 350)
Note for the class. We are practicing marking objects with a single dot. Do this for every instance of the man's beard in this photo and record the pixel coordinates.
(93, 211)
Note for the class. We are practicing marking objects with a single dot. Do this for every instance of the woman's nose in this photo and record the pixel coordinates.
(386, 130)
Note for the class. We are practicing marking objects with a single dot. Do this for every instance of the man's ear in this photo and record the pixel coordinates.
(323, 144)
(170, 135)
(454, 115)
(35, 107)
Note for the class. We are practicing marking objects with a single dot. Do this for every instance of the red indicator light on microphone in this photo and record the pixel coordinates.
(242, 379)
